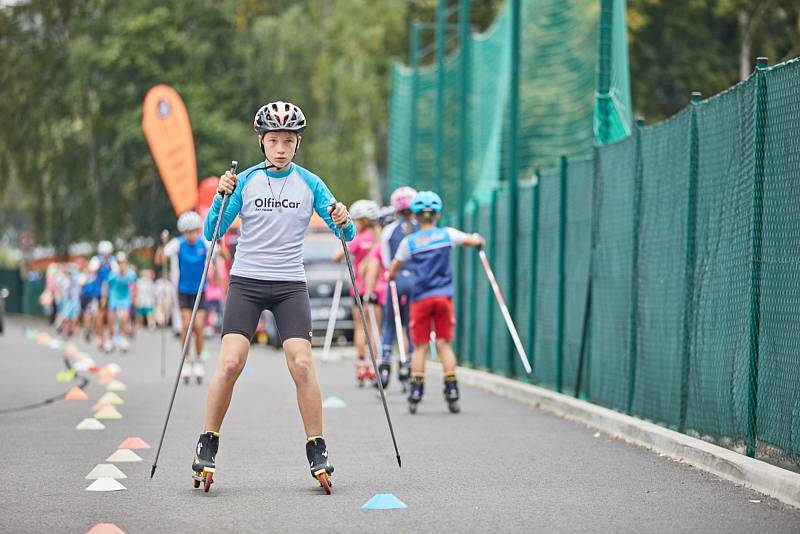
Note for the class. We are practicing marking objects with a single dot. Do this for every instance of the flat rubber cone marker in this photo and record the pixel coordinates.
(334, 402)
(105, 484)
(83, 365)
(134, 443)
(99, 406)
(105, 471)
(90, 423)
(109, 412)
(105, 528)
(106, 380)
(76, 393)
(384, 501)
(116, 385)
(110, 398)
(94, 369)
(124, 455)
(65, 376)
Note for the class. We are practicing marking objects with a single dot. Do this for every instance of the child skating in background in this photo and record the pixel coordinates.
(188, 255)
(391, 236)
(145, 299)
(365, 215)
(119, 292)
(428, 250)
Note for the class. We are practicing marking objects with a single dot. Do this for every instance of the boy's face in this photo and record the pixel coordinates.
(191, 236)
(280, 147)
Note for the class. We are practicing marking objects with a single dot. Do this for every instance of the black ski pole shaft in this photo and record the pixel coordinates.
(187, 341)
(369, 344)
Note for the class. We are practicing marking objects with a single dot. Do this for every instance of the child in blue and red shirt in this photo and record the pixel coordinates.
(432, 302)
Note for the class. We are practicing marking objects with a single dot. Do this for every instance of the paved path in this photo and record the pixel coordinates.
(498, 466)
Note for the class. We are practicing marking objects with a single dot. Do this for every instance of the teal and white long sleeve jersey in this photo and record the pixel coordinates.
(274, 221)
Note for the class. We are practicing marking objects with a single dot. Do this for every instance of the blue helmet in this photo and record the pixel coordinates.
(426, 201)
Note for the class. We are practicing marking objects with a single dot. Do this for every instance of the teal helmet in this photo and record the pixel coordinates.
(426, 201)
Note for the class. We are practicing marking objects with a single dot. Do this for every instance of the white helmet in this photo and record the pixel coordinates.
(189, 221)
(365, 209)
(121, 256)
(105, 248)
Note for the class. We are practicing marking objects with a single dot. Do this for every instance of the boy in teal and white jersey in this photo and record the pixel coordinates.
(274, 200)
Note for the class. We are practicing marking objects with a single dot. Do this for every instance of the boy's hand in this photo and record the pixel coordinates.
(480, 242)
(339, 214)
(227, 183)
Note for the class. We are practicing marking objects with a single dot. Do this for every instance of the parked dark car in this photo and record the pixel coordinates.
(322, 274)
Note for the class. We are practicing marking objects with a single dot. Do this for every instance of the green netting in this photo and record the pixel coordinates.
(524, 279)
(778, 413)
(578, 246)
(559, 54)
(611, 286)
(613, 117)
(718, 365)
(685, 236)
(661, 283)
(545, 351)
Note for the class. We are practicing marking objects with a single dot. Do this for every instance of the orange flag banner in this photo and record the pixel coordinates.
(169, 133)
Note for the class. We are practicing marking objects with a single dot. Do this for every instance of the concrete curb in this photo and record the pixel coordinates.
(768, 479)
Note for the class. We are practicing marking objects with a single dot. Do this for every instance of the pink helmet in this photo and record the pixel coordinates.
(402, 197)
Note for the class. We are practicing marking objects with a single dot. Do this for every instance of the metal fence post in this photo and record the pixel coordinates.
(562, 245)
(755, 263)
(439, 132)
(633, 316)
(491, 245)
(513, 163)
(604, 71)
(463, 98)
(691, 258)
(473, 283)
(412, 120)
(534, 259)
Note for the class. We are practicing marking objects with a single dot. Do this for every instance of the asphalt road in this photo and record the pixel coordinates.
(499, 466)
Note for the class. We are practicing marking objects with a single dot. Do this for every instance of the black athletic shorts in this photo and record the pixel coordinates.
(288, 302)
(186, 301)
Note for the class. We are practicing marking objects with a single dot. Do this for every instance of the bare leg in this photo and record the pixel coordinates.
(446, 355)
(232, 358)
(358, 335)
(199, 340)
(186, 315)
(418, 358)
(309, 397)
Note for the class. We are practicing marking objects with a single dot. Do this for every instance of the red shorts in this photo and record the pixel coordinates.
(432, 311)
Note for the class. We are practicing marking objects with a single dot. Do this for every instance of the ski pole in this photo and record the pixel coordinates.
(398, 324)
(234, 165)
(504, 310)
(337, 293)
(366, 329)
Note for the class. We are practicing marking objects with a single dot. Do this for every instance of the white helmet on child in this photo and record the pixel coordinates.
(365, 209)
(121, 256)
(105, 248)
(189, 221)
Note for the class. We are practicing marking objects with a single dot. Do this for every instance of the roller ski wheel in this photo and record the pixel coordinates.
(385, 374)
(186, 372)
(412, 407)
(321, 468)
(199, 372)
(204, 463)
(454, 407)
(206, 478)
(325, 482)
(417, 390)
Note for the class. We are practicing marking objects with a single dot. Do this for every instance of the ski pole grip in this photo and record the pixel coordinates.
(331, 207)
(234, 166)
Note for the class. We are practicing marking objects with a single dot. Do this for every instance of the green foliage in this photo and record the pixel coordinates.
(680, 46)
(74, 76)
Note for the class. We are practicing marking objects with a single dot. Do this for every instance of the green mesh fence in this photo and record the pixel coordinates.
(660, 285)
(683, 237)
(778, 401)
(559, 53)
